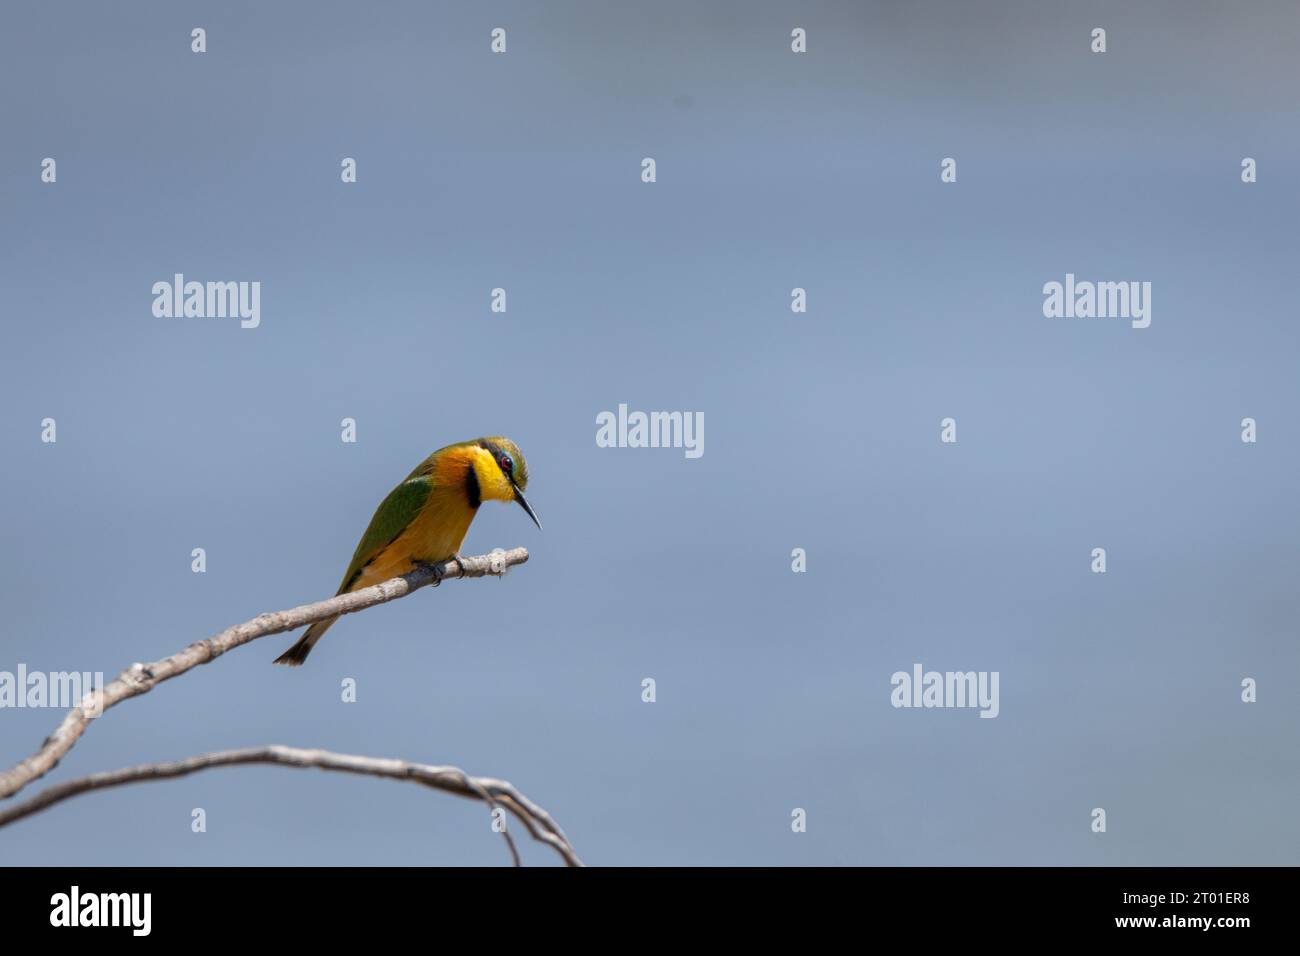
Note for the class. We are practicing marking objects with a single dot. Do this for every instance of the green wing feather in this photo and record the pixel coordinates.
(391, 518)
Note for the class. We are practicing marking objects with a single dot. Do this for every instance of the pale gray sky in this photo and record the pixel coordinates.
(775, 170)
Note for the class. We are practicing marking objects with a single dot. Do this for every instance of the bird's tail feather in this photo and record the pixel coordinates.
(295, 655)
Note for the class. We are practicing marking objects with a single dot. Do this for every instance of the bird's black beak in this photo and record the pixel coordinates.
(519, 497)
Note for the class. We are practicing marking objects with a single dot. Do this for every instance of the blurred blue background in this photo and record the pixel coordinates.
(775, 170)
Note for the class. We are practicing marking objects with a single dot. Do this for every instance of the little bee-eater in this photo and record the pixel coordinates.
(425, 519)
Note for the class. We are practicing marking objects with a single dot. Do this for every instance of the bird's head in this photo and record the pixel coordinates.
(502, 472)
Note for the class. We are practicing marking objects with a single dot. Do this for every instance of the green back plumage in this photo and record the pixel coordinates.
(391, 518)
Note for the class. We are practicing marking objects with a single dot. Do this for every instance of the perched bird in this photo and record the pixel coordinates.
(425, 519)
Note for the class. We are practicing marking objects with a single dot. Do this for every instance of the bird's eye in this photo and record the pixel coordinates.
(506, 464)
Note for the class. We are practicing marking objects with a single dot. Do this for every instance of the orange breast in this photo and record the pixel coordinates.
(435, 535)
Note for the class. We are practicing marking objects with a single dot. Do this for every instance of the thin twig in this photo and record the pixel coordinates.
(448, 779)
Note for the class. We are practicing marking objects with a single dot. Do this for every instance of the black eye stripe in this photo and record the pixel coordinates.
(503, 460)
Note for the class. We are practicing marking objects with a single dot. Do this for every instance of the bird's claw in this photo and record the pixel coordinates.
(428, 567)
(438, 569)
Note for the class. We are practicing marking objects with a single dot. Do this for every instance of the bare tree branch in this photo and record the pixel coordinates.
(141, 678)
(449, 779)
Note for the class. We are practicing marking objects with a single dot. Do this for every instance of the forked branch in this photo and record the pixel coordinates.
(141, 678)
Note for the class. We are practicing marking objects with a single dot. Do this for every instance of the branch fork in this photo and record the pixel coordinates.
(141, 678)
